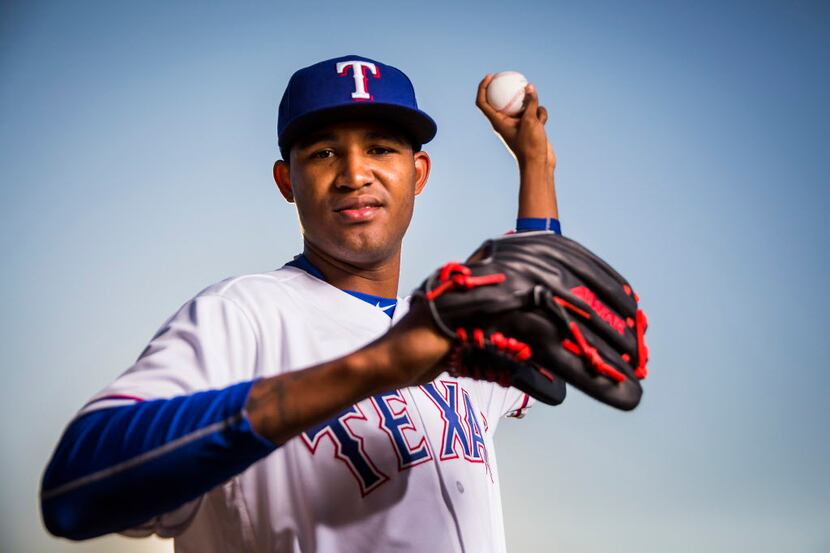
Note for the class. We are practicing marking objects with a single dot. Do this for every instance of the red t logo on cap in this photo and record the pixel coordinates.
(361, 79)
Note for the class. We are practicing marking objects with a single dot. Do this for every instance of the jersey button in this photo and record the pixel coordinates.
(459, 486)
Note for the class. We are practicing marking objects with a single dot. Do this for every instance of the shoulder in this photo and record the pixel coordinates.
(251, 291)
(237, 286)
(245, 299)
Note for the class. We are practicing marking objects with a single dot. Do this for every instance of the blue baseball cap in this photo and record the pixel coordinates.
(349, 88)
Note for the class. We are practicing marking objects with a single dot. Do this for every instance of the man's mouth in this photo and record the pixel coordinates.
(358, 209)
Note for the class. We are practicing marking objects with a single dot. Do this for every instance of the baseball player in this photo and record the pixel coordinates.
(306, 408)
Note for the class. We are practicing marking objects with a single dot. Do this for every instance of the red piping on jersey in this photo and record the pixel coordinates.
(519, 413)
(113, 397)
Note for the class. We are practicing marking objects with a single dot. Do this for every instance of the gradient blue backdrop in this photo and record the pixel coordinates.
(136, 144)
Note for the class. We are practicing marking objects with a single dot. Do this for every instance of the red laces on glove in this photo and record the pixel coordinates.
(510, 347)
(457, 276)
(642, 349)
(583, 349)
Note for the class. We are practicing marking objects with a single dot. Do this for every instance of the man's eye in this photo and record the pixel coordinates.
(380, 150)
(322, 154)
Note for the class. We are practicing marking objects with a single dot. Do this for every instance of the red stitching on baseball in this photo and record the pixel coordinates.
(513, 99)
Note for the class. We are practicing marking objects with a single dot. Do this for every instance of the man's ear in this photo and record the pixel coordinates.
(422, 166)
(282, 176)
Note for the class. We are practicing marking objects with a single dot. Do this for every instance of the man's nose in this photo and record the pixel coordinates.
(355, 171)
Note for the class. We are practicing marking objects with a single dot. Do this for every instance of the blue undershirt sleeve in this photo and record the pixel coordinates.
(526, 224)
(116, 468)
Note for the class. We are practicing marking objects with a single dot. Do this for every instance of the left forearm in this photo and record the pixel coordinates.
(524, 135)
(537, 189)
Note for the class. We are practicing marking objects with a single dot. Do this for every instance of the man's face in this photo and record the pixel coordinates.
(354, 185)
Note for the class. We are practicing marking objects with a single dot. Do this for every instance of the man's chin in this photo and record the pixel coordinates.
(367, 245)
(368, 256)
(367, 251)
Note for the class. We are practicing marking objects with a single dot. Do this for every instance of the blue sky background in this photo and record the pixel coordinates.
(136, 144)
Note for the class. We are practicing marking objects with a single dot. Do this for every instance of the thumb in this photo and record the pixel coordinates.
(532, 103)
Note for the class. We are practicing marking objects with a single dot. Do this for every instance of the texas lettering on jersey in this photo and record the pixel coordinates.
(462, 435)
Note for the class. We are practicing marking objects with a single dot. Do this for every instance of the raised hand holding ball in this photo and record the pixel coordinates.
(506, 92)
(522, 131)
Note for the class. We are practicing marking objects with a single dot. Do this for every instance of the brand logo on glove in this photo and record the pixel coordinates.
(588, 296)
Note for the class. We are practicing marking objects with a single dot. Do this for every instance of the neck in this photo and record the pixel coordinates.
(377, 278)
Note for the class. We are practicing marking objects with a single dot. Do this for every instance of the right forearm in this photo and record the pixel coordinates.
(282, 406)
(116, 468)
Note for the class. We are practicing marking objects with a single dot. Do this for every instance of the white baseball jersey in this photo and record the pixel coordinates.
(412, 470)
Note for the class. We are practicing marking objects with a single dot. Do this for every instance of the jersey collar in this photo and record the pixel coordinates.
(387, 305)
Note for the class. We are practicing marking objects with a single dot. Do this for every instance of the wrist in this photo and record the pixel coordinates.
(532, 161)
(408, 353)
(533, 173)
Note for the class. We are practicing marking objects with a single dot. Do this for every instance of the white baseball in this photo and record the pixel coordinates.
(506, 92)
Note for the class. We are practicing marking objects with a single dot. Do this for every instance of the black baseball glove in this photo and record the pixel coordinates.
(534, 309)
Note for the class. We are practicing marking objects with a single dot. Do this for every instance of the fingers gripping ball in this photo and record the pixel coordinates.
(506, 92)
(535, 310)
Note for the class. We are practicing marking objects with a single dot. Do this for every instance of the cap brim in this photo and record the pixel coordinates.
(416, 124)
